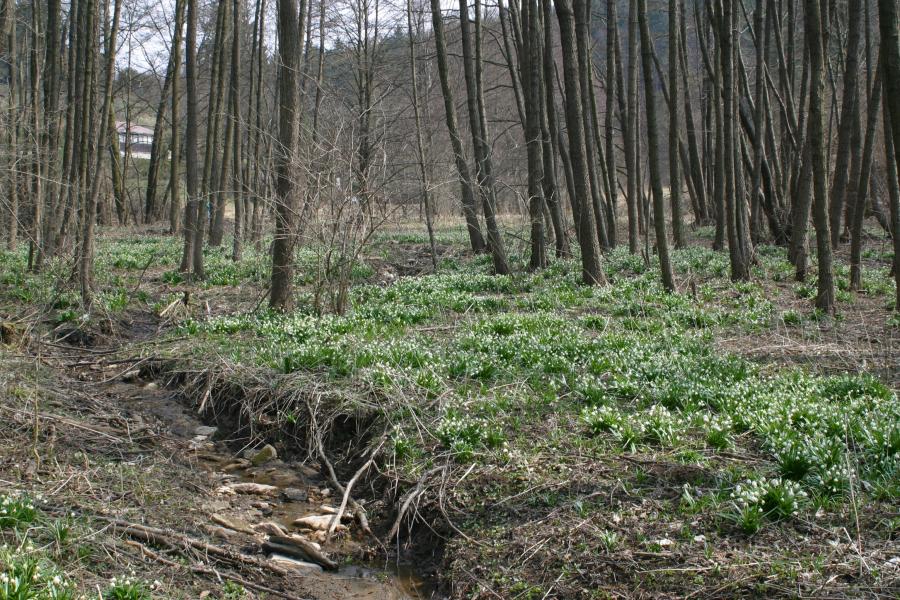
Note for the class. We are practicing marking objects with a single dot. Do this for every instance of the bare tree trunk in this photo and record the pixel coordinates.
(420, 140)
(701, 211)
(175, 149)
(591, 271)
(849, 116)
(116, 168)
(39, 157)
(718, 159)
(739, 248)
(893, 186)
(759, 121)
(86, 247)
(504, 18)
(659, 210)
(815, 37)
(890, 48)
(889, 23)
(551, 139)
(219, 173)
(472, 63)
(289, 45)
(12, 169)
(258, 176)
(612, 96)
(51, 135)
(674, 127)
(631, 132)
(585, 80)
(237, 172)
(194, 209)
(77, 122)
(531, 59)
(476, 239)
(151, 211)
(858, 197)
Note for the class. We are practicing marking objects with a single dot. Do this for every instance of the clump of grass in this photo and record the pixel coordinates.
(17, 511)
(609, 540)
(464, 435)
(755, 500)
(718, 431)
(124, 587)
(602, 418)
(25, 574)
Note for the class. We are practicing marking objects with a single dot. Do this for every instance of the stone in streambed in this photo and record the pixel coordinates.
(318, 522)
(237, 465)
(263, 455)
(258, 489)
(292, 564)
(347, 515)
(294, 494)
(232, 524)
(270, 528)
(228, 535)
(298, 547)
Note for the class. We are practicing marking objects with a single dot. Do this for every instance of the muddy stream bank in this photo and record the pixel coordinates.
(255, 505)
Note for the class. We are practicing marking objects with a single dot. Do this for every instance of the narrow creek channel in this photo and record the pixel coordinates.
(292, 490)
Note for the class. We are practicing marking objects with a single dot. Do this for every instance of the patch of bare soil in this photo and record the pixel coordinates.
(861, 339)
(639, 526)
(157, 493)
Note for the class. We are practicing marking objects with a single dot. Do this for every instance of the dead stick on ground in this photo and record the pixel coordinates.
(410, 496)
(173, 539)
(207, 571)
(358, 510)
(340, 513)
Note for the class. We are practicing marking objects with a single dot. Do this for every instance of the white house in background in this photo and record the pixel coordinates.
(138, 139)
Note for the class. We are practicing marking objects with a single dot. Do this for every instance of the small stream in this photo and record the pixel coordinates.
(301, 492)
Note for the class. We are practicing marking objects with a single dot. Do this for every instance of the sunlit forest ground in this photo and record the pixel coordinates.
(538, 438)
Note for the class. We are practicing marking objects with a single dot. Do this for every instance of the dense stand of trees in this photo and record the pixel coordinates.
(593, 123)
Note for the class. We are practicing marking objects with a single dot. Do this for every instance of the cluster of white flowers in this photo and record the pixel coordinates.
(779, 498)
(16, 509)
(661, 426)
(833, 480)
(602, 418)
(749, 493)
(129, 587)
(716, 422)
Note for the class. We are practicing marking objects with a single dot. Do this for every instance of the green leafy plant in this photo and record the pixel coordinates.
(16, 511)
(127, 588)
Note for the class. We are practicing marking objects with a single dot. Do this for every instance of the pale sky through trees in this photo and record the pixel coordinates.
(146, 29)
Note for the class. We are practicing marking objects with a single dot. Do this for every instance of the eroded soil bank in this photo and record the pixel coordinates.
(147, 488)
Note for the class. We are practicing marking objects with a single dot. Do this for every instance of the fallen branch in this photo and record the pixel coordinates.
(201, 570)
(410, 496)
(358, 510)
(340, 512)
(174, 540)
